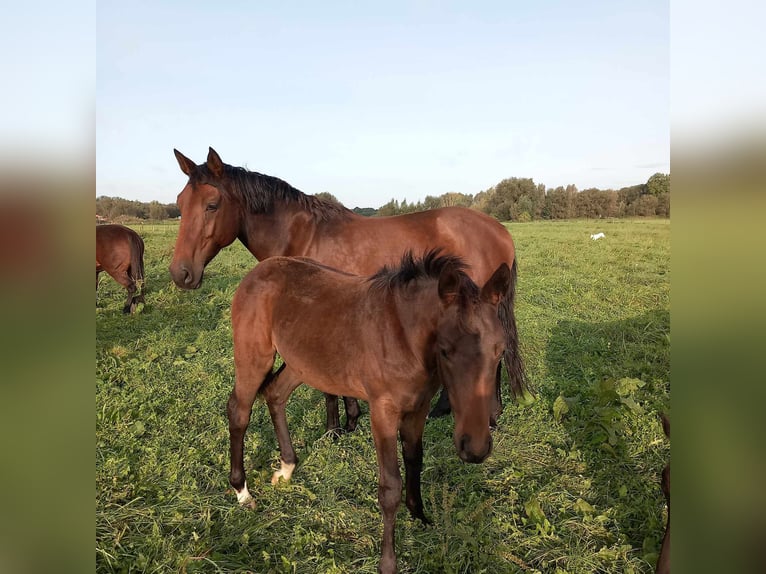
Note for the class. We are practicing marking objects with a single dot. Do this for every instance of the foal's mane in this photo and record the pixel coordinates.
(428, 266)
(259, 193)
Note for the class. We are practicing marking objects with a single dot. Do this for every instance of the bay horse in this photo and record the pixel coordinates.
(391, 339)
(221, 203)
(120, 252)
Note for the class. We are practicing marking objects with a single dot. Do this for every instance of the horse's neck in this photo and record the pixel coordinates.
(287, 231)
(417, 314)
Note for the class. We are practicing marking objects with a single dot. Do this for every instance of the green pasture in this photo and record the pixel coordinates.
(572, 485)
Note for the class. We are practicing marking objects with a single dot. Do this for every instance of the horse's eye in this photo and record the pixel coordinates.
(444, 353)
(212, 206)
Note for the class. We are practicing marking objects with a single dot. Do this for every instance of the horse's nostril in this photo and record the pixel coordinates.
(186, 275)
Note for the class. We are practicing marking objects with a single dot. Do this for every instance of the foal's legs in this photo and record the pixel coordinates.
(384, 423)
(411, 433)
(276, 393)
(251, 371)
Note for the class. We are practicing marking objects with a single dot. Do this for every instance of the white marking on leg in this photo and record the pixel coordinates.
(244, 498)
(285, 471)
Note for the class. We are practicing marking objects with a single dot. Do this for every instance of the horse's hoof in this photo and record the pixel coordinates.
(244, 498)
(285, 472)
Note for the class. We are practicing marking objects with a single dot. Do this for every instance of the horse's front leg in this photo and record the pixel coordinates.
(385, 423)
(276, 393)
(411, 433)
(442, 406)
(250, 374)
(333, 417)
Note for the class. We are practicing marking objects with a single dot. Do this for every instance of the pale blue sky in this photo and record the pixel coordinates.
(378, 100)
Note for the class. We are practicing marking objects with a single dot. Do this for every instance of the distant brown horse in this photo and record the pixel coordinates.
(663, 562)
(391, 340)
(221, 203)
(120, 252)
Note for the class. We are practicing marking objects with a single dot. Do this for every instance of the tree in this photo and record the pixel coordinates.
(559, 202)
(327, 196)
(658, 184)
(453, 198)
(502, 202)
(390, 208)
(646, 205)
(431, 202)
(157, 210)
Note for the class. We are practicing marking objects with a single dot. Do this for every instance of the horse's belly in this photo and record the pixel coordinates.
(322, 378)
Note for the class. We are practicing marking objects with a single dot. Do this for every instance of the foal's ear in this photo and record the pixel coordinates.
(214, 163)
(187, 166)
(449, 285)
(497, 286)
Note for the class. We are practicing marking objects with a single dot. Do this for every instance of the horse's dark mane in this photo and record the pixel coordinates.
(259, 193)
(428, 266)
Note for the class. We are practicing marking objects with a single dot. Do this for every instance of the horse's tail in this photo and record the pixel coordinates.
(137, 263)
(511, 355)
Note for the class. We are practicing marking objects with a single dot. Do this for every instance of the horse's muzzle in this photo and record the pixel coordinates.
(468, 453)
(184, 278)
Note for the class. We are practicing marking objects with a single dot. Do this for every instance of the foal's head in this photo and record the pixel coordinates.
(469, 344)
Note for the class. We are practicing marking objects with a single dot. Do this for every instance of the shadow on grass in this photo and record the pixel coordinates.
(608, 383)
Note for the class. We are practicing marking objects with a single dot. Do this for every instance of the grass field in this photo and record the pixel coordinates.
(571, 486)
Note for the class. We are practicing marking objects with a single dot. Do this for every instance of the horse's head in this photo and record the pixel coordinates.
(469, 344)
(210, 219)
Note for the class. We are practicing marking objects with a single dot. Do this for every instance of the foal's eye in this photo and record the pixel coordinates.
(212, 206)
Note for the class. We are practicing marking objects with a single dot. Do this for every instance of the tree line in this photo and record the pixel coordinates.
(117, 209)
(512, 199)
(521, 199)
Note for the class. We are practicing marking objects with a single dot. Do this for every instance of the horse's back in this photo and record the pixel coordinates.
(308, 312)
(295, 283)
(482, 241)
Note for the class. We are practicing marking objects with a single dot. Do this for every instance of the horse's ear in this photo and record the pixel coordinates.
(214, 163)
(497, 286)
(187, 166)
(449, 285)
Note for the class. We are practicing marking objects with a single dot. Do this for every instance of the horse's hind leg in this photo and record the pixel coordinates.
(123, 278)
(352, 413)
(251, 372)
(276, 392)
(130, 302)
